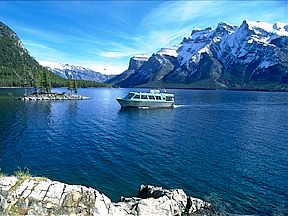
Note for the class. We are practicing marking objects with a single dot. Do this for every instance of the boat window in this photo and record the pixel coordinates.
(130, 95)
(151, 97)
(158, 97)
(144, 97)
(136, 96)
(169, 98)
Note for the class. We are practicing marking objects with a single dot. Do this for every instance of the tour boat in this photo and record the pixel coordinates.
(152, 99)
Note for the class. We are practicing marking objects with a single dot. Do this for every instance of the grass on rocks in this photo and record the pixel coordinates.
(23, 174)
(1, 173)
(16, 210)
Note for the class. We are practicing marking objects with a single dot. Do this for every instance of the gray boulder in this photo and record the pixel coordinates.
(27, 195)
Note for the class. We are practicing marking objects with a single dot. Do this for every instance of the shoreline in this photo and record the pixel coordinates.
(26, 195)
(52, 96)
(218, 89)
(186, 88)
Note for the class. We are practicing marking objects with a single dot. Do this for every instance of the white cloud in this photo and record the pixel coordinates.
(114, 54)
(50, 64)
(165, 26)
(43, 52)
(159, 39)
(171, 13)
(29, 43)
(96, 66)
(116, 50)
(107, 68)
(43, 34)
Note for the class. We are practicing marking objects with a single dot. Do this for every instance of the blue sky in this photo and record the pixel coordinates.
(103, 35)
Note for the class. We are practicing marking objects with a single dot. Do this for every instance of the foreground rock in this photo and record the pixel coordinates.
(40, 196)
(53, 96)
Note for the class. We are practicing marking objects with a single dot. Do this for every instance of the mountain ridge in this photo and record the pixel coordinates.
(19, 68)
(69, 71)
(255, 53)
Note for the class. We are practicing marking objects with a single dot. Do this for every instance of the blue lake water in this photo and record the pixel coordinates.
(232, 143)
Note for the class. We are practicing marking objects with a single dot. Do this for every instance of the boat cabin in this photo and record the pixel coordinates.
(153, 95)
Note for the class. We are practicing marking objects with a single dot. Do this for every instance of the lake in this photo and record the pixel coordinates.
(230, 143)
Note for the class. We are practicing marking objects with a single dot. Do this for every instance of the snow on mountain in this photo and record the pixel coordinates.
(75, 72)
(231, 44)
(253, 51)
(137, 61)
(169, 51)
(51, 64)
(251, 42)
(140, 57)
(134, 64)
(200, 40)
(276, 28)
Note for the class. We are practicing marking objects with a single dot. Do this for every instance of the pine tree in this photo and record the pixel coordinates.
(36, 82)
(25, 77)
(46, 83)
(70, 85)
(75, 86)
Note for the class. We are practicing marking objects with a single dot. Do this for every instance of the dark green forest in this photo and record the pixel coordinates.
(19, 69)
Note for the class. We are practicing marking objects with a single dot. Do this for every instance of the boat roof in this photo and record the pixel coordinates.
(153, 93)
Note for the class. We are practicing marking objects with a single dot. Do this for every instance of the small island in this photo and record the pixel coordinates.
(53, 96)
(43, 91)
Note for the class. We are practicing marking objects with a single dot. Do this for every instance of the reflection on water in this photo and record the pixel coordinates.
(229, 143)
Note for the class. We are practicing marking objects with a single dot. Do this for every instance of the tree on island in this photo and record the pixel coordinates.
(25, 83)
(75, 86)
(26, 78)
(36, 82)
(70, 85)
(46, 83)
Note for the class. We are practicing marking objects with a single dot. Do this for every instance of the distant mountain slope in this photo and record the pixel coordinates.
(252, 54)
(17, 67)
(76, 72)
(134, 64)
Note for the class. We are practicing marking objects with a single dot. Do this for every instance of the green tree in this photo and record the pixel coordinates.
(24, 78)
(36, 82)
(70, 85)
(46, 83)
(75, 86)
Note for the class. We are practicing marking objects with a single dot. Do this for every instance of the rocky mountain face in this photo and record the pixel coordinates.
(26, 195)
(8, 34)
(225, 57)
(135, 63)
(76, 72)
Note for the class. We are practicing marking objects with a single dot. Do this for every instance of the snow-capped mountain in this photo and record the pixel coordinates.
(75, 72)
(225, 56)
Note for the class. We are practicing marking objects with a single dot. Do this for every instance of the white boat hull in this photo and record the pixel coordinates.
(145, 104)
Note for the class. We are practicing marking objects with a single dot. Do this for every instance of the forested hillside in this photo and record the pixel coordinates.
(18, 68)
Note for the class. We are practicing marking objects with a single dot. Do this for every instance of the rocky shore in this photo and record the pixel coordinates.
(27, 195)
(53, 96)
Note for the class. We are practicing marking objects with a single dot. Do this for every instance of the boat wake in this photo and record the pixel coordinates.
(143, 107)
(190, 105)
(177, 106)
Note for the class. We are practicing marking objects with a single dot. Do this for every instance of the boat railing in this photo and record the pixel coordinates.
(154, 91)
